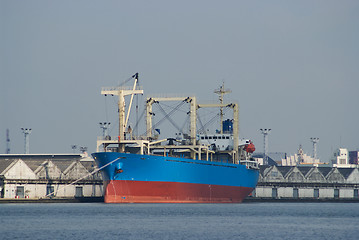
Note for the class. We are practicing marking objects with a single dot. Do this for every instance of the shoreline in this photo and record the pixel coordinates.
(53, 200)
(311, 200)
(247, 200)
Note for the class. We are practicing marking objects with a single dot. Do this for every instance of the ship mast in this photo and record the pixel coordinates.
(221, 92)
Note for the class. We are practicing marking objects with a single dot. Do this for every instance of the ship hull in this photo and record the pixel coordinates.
(132, 178)
(124, 191)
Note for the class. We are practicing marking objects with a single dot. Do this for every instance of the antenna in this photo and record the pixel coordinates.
(7, 142)
(221, 92)
(26, 132)
(265, 133)
(314, 140)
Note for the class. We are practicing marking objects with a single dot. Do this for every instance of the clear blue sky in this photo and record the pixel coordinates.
(291, 65)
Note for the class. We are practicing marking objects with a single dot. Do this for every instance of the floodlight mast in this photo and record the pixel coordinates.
(265, 132)
(83, 149)
(314, 140)
(73, 147)
(7, 141)
(105, 126)
(26, 132)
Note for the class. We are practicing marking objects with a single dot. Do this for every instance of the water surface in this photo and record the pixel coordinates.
(180, 221)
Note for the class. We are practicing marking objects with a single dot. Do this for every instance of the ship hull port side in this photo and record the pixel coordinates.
(131, 178)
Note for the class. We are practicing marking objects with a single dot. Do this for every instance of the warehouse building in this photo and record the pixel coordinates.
(48, 175)
(307, 182)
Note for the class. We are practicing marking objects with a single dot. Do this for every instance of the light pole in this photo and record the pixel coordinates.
(314, 140)
(83, 149)
(73, 147)
(105, 126)
(265, 132)
(7, 142)
(26, 132)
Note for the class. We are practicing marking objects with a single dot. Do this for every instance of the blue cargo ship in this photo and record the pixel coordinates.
(194, 167)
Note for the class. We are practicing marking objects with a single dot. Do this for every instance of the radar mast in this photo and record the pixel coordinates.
(221, 92)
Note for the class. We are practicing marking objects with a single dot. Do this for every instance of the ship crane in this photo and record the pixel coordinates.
(166, 116)
(193, 116)
(122, 92)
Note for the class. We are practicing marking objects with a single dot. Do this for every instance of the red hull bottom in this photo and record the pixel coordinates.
(123, 191)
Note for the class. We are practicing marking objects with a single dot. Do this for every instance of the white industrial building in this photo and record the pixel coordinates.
(341, 158)
(48, 175)
(299, 158)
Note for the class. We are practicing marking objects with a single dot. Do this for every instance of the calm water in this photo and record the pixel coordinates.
(180, 221)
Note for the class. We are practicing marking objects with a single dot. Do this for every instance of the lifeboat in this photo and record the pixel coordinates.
(250, 148)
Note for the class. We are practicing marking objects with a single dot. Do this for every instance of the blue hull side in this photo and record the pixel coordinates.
(151, 168)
